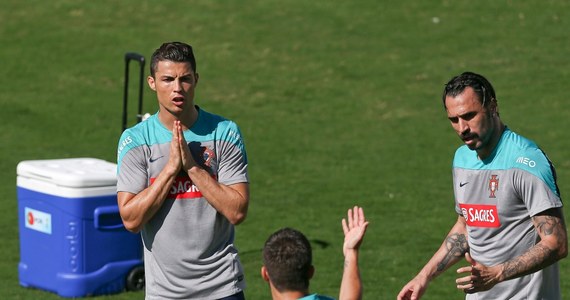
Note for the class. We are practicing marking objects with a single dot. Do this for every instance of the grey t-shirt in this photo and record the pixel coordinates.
(189, 250)
(498, 196)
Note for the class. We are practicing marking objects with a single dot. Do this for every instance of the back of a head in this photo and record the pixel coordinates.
(172, 51)
(287, 256)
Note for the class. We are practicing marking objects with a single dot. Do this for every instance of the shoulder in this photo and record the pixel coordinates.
(512, 151)
(227, 130)
(316, 297)
(147, 132)
(465, 158)
(130, 138)
(523, 153)
(211, 119)
(136, 133)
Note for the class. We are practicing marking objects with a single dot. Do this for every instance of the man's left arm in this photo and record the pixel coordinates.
(537, 186)
(553, 246)
(232, 201)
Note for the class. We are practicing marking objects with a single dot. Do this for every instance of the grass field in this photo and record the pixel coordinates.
(339, 103)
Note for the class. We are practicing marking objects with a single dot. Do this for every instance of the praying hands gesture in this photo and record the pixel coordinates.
(230, 200)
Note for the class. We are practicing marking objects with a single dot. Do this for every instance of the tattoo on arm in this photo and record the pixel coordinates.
(457, 246)
(540, 255)
(527, 263)
(546, 225)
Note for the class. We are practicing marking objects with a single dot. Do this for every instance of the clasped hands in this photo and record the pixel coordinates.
(180, 155)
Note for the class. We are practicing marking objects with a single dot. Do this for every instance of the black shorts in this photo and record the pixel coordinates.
(238, 296)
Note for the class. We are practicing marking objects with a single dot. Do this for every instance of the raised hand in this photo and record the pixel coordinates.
(354, 229)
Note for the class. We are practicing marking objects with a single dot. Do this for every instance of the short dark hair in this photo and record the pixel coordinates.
(480, 84)
(173, 51)
(287, 256)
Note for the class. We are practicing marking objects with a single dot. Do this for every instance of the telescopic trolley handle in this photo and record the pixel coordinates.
(128, 57)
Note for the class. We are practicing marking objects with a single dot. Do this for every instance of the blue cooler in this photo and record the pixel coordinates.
(72, 239)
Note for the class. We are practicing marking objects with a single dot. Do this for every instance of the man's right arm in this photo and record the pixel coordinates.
(452, 250)
(137, 209)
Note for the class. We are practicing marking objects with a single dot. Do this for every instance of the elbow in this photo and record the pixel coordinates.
(563, 251)
(238, 215)
(560, 250)
(132, 228)
(238, 218)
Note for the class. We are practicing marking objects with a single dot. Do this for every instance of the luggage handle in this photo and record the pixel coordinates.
(140, 59)
(107, 218)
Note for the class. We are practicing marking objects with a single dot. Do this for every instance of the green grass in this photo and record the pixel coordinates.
(339, 103)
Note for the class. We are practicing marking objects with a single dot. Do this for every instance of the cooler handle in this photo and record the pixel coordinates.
(108, 218)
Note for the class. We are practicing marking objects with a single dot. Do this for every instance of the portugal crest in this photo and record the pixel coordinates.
(493, 185)
(208, 155)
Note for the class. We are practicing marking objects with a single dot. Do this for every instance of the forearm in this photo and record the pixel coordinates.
(351, 285)
(232, 202)
(137, 210)
(552, 247)
(450, 252)
(535, 259)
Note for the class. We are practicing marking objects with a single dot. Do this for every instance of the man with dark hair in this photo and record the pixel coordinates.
(287, 261)
(287, 255)
(510, 227)
(183, 183)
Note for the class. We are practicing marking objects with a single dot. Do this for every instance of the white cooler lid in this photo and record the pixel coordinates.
(70, 172)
